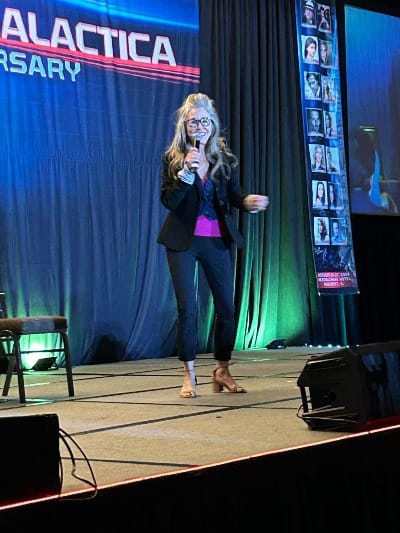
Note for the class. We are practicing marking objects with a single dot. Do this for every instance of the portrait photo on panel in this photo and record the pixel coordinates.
(321, 230)
(320, 195)
(308, 16)
(310, 49)
(312, 86)
(325, 54)
(335, 197)
(332, 159)
(324, 20)
(329, 91)
(338, 231)
(330, 124)
(315, 127)
(317, 157)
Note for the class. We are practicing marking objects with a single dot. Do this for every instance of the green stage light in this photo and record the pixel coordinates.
(45, 363)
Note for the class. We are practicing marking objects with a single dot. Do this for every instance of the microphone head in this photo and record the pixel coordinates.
(196, 140)
(196, 144)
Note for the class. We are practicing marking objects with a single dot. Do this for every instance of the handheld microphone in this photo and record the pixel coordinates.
(196, 144)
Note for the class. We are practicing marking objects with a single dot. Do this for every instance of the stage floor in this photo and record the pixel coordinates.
(127, 421)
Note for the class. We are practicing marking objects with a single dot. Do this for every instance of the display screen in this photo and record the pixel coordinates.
(382, 378)
(372, 44)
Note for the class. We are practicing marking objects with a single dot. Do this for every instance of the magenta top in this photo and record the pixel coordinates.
(207, 228)
(207, 224)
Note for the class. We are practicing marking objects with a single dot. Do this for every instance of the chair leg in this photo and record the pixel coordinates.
(10, 370)
(68, 364)
(19, 368)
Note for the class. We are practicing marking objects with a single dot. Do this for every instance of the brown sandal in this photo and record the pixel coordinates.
(189, 386)
(225, 380)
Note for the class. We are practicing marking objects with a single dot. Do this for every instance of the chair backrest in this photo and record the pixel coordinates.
(3, 305)
(3, 351)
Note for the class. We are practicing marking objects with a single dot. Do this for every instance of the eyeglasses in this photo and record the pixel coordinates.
(194, 122)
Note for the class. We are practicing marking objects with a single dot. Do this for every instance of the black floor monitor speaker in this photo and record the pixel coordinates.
(353, 388)
(30, 464)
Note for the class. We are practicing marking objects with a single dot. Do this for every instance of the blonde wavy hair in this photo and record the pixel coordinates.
(215, 146)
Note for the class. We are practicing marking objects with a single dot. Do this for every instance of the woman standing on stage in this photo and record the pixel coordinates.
(199, 187)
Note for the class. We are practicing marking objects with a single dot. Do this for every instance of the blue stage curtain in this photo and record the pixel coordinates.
(85, 118)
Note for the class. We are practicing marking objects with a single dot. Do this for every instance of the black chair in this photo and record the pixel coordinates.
(11, 331)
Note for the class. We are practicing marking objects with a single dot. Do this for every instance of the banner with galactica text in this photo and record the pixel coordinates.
(89, 90)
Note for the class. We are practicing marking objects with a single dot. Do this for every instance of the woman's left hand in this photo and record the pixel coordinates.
(256, 202)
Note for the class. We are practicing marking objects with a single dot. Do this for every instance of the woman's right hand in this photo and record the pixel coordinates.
(192, 158)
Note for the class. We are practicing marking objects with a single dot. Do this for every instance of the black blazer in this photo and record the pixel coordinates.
(183, 201)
